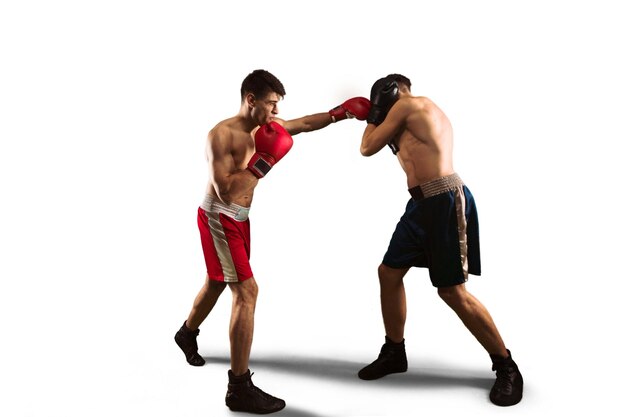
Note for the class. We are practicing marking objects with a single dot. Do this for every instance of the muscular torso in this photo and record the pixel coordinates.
(425, 142)
(229, 148)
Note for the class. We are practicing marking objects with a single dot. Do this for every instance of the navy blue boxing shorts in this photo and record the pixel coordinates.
(438, 231)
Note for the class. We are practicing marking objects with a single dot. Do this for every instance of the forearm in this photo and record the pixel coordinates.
(368, 147)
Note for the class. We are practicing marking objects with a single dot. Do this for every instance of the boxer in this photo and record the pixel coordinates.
(438, 231)
(240, 151)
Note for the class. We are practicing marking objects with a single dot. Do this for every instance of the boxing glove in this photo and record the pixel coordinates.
(383, 95)
(272, 142)
(358, 107)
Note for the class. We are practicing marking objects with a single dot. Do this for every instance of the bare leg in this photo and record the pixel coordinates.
(204, 302)
(392, 357)
(475, 317)
(186, 337)
(509, 385)
(393, 301)
(242, 394)
(242, 324)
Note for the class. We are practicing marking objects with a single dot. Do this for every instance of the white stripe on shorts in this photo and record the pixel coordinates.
(222, 248)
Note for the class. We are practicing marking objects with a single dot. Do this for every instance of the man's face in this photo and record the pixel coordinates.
(266, 108)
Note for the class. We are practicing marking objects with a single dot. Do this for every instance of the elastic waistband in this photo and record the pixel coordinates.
(214, 205)
(436, 187)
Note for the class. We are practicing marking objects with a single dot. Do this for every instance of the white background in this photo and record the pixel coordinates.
(104, 110)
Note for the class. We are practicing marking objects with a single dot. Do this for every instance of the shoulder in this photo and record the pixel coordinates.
(221, 132)
(280, 121)
(411, 103)
(422, 106)
(417, 102)
(286, 124)
(220, 138)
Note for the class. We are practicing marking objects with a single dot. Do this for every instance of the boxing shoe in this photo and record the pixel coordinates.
(509, 385)
(392, 359)
(186, 341)
(243, 395)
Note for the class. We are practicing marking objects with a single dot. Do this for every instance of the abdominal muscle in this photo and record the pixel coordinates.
(244, 200)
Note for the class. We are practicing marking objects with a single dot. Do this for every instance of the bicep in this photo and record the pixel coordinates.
(304, 124)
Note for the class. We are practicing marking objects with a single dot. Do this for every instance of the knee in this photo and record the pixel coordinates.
(390, 276)
(451, 295)
(245, 292)
(383, 271)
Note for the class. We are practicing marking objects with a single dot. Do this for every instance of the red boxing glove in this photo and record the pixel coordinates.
(272, 142)
(358, 107)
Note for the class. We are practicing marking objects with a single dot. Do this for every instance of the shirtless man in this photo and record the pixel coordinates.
(240, 151)
(439, 230)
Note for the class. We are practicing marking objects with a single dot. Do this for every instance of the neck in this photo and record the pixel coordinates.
(245, 117)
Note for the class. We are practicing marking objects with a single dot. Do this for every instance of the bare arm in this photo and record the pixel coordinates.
(307, 123)
(231, 183)
(376, 137)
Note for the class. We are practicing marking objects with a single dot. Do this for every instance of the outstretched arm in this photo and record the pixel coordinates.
(356, 107)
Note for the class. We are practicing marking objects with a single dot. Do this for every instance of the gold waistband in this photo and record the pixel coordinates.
(436, 186)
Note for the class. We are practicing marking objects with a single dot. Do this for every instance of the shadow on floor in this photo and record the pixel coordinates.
(344, 371)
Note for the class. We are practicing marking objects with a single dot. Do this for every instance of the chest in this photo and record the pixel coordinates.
(242, 149)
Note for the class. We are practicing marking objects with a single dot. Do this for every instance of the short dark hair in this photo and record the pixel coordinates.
(260, 83)
(400, 79)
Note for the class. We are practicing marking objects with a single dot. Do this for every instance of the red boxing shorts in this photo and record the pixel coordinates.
(225, 235)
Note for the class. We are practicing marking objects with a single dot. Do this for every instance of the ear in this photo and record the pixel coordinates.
(404, 88)
(250, 100)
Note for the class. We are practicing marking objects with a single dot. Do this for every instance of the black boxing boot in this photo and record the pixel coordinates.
(243, 395)
(186, 341)
(509, 384)
(392, 359)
